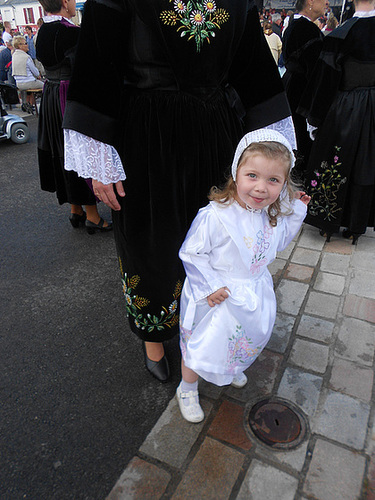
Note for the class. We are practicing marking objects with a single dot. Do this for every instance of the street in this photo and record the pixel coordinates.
(75, 400)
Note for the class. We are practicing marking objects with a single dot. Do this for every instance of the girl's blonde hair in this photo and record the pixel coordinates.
(273, 151)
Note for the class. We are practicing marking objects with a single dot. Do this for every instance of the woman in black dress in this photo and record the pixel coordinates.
(302, 43)
(55, 47)
(184, 82)
(340, 101)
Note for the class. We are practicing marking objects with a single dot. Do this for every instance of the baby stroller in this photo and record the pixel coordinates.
(11, 126)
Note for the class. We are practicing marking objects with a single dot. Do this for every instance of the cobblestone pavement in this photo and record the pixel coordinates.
(320, 359)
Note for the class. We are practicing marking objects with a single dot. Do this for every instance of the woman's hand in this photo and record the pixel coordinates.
(301, 195)
(107, 195)
(218, 296)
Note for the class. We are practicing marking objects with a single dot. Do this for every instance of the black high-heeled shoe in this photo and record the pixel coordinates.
(325, 234)
(348, 235)
(77, 220)
(92, 227)
(158, 369)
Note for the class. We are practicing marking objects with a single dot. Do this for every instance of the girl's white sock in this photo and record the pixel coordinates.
(186, 387)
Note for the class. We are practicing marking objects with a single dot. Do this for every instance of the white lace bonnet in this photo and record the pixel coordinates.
(260, 135)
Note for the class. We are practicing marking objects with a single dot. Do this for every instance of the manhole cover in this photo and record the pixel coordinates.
(277, 423)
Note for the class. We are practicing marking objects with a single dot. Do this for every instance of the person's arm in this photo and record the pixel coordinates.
(31, 66)
(195, 254)
(95, 160)
(289, 225)
(85, 113)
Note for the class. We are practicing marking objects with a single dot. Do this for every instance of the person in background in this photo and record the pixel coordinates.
(24, 71)
(340, 102)
(30, 42)
(55, 48)
(302, 43)
(287, 20)
(5, 59)
(7, 33)
(273, 41)
(38, 64)
(276, 24)
(332, 23)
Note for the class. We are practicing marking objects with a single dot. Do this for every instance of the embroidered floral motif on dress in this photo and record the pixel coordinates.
(324, 189)
(197, 20)
(168, 316)
(240, 350)
(260, 248)
(184, 339)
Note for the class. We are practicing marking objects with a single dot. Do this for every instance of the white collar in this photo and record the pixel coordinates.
(298, 16)
(364, 13)
(51, 18)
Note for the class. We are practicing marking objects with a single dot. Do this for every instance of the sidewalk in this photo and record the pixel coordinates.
(320, 358)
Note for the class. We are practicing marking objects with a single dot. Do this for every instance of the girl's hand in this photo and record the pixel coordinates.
(218, 296)
(301, 195)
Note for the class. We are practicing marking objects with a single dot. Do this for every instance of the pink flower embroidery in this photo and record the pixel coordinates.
(336, 159)
(314, 183)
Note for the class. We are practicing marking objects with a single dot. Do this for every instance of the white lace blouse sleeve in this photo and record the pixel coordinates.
(286, 128)
(92, 159)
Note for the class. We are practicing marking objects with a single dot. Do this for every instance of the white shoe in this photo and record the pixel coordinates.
(191, 412)
(239, 381)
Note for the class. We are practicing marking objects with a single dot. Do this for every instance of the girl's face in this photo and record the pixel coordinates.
(259, 181)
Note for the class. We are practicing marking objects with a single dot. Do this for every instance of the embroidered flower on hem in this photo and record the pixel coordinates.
(209, 5)
(179, 6)
(197, 18)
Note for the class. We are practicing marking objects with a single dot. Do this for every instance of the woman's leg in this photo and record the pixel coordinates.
(93, 215)
(154, 350)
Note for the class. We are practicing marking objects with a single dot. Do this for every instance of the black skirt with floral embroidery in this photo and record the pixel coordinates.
(185, 81)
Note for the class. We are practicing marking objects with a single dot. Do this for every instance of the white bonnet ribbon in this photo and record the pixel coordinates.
(260, 135)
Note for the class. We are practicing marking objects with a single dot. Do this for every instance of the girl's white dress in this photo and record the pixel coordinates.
(230, 246)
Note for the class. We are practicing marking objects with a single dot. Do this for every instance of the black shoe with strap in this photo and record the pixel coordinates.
(158, 369)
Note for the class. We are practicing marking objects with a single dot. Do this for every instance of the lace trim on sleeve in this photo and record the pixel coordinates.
(92, 159)
(286, 128)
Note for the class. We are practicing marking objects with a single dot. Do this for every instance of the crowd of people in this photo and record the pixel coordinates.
(184, 115)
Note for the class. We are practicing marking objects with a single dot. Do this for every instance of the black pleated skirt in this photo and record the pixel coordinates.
(69, 188)
(341, 170)
(174, 147)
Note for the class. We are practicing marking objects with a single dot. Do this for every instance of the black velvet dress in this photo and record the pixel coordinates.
(184, 82)
(340, 101)
(302, 43)
(55, 49)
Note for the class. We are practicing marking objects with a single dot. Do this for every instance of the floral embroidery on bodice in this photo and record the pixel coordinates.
(260, 249)
(197, 19)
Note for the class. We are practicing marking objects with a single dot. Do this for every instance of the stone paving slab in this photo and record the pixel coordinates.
(309, 355)
(290, 295)
(322, 305)
(140, 481)
(212, 473)
(291, 458)
(356, 341)
(343, 419)
(336, 264)
(261, 375)
(281, 333)
(311, 239)
(334, 473)
(362, 283)
(352, 379)
(316, 329)
(330, 283)
(306, 257)
(302, 388)
(171, 439)
(228, 426)
(360, 307)
(264, 482)
(299, 273)
(341, 246)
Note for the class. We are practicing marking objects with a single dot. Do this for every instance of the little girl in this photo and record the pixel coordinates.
(228, 304)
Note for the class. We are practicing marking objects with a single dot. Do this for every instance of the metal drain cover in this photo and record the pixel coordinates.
(277, 423)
